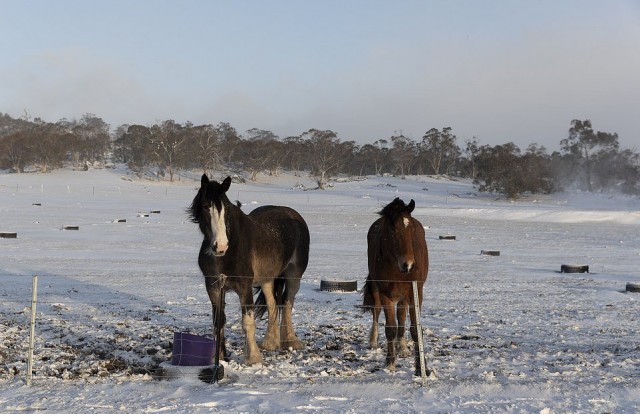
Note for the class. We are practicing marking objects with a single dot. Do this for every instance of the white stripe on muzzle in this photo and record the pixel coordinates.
(220, 242)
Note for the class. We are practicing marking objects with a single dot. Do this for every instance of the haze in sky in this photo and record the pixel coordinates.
(501, 71)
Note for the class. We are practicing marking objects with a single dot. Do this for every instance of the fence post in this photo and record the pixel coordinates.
(32, 335)
(416, 305)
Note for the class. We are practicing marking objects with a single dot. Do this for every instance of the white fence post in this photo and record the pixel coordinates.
(416, 305)
(34, 296)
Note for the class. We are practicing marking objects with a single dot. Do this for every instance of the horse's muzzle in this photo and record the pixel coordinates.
(217, 250)
(405, 267)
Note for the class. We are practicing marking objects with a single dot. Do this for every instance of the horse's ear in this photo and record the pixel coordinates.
(204, 181)
(226, 184)
(411, 206)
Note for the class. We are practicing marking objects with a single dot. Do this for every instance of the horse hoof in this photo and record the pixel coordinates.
(296, 345)
(269, 345)
(253, 360)
(417, 372)
(405, 354)
(254, 357)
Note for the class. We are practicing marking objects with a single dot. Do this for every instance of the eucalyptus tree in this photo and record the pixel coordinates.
(203, 148)
(295, 153)
(584, 144)
(403, 153)
(15, 153)
(256, 152)
(440, 150)
(325, 154)
(134, 147)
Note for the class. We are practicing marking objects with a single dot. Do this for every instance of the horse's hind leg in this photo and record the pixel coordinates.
(403, 348)
(252, 354)
(375, 312)
(271, 340)
(288, 336)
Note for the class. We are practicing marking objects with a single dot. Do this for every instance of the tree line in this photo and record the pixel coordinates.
(588, 159)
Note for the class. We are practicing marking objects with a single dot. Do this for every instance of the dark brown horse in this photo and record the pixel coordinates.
(398, 255)
(267, 249)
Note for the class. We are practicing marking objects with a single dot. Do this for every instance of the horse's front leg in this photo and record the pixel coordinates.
(403, 348)
(252, 354)
(391, 331)
(214, 292)
(271, 340)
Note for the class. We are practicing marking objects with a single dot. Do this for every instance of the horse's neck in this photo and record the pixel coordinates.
(241, 230)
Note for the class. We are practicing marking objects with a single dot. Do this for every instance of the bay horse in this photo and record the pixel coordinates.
(397, 255)
(268, 249)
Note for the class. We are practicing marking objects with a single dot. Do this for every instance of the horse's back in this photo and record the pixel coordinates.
(286, 225)
(275, 213)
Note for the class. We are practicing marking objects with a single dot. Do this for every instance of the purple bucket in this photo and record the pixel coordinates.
(192, 350)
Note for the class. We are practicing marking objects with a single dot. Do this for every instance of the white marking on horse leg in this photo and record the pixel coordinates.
(271, 340)
(252, 352)
(373, 334)
(220, 242)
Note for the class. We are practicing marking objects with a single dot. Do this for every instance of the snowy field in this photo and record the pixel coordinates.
(504, 333)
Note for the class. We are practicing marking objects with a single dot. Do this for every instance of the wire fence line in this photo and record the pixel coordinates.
(69, 294)
(78, 336)
(72, 295)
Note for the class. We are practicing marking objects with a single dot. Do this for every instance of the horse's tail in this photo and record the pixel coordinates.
(261, 302)
(367, 296)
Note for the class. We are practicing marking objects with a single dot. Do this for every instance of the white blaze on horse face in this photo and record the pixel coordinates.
(220, 242)
(405, 259)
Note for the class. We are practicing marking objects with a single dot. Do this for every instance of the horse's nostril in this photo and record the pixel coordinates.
(406, 267)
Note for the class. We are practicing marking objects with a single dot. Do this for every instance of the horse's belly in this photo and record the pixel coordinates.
(265, 268)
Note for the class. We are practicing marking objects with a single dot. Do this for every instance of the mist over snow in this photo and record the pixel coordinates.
(506, 333)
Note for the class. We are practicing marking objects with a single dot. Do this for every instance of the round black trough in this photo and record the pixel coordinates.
(8, 235)
(633, 287)
(338, 286)
(490, 252)
(574, 269)
(447, 237)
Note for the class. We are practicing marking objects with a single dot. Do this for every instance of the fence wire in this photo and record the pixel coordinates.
(69, 323)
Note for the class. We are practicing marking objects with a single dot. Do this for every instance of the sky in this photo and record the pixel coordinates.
(499, 71)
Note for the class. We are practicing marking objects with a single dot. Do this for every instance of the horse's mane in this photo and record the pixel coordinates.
(194, 210)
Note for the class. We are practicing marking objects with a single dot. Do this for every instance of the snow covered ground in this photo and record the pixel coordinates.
(504, 333)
